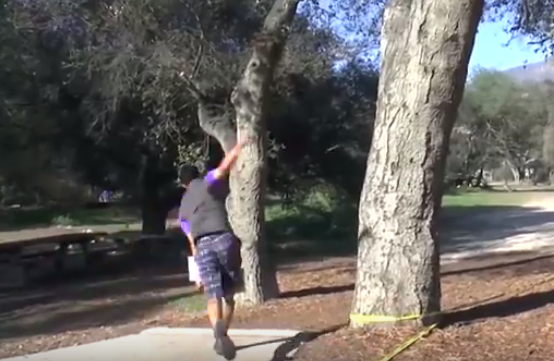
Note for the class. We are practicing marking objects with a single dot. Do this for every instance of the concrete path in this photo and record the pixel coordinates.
(175, 345)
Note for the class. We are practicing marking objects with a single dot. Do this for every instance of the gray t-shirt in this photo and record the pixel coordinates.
(202, 211)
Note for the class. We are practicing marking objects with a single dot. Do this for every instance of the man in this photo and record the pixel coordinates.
(215, 248)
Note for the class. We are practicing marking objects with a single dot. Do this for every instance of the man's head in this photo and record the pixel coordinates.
(187, 173)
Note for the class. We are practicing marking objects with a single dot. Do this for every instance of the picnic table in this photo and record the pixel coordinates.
(21, 250)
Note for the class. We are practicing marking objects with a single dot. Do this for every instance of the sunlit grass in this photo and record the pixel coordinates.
(490, 198)
(190, 303)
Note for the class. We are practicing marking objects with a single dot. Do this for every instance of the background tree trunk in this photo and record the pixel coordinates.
(153, 215)
(426, 45)
(248, 179)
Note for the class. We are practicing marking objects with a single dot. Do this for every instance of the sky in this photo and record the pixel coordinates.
(494, 47)
(490, 49)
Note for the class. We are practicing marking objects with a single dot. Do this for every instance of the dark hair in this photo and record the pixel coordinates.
(187, 173)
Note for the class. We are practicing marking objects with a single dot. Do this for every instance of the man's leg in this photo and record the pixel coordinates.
(211, 275)
(214, 310)
(228, 311)
(230, 260)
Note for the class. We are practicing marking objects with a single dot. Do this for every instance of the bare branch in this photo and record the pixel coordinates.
(217, 124)
(267, 48)
(200, 53)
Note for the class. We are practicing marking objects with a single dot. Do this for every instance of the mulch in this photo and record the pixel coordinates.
(509, 314)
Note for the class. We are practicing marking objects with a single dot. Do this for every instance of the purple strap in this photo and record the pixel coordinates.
(210, 177)
(185, 226)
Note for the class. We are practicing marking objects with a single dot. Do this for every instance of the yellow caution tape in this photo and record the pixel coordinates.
(367, 319)
(409, 342)
(382, 319)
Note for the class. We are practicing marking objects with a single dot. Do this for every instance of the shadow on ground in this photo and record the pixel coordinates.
(291, 344)
(505, 308)
(117, 298)
(317, 291)
(485, 269)
(62, 316)
(514, 263)
(107, 300)
(112, 291)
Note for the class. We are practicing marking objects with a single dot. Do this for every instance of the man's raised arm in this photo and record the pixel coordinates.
(226, 164)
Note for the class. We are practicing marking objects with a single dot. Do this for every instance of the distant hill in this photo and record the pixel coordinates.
(533, 73)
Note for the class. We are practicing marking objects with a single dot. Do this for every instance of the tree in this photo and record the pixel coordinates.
(139, 76)
(137, 59)
(469, 151)
(248, 180)
(508, 118)
(532, 18)
(329, 114)
(425, 49)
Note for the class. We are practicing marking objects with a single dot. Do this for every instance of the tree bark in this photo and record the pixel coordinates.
(153, 219)
(548, 144)
(157, 195)
(514, 170)
(248, 179)
(426, 46)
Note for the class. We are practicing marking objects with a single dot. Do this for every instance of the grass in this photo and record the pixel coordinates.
(320, 225)
(319, 217)
(191, 303)
(21, 218)
(477, 198)
(325, 228)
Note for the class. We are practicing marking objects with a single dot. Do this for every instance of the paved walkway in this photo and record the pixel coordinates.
(501, 230)
(170, 347)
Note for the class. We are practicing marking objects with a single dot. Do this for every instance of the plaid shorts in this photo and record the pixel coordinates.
(219, 264)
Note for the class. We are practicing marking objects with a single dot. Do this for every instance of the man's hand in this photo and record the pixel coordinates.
(199, 285)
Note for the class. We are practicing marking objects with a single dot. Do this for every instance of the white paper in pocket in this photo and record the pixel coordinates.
(194, 275)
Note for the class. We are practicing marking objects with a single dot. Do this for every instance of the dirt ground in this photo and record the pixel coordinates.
(502, 308)
(510, 313)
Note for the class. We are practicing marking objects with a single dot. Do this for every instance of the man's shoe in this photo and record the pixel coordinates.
(218, 347)
(223, 345)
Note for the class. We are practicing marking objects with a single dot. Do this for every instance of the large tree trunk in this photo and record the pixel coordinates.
(426, 45)
(248, 179)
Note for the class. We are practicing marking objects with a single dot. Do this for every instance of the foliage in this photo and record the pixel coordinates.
(531, 18)
(114, 100)
(500, 122)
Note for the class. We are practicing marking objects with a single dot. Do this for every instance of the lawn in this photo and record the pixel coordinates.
(13, 219)
(315, 218)
(490, 198)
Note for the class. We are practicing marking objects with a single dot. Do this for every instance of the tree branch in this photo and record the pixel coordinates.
(217, 124)
(267, 48)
